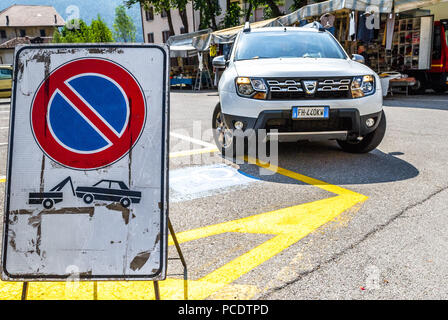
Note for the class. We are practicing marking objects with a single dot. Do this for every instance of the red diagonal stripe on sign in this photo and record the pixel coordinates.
(89, 114)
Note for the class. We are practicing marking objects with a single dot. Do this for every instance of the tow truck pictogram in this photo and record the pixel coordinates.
(48, 199)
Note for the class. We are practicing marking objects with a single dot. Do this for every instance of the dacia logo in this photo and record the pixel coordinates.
(310, 86)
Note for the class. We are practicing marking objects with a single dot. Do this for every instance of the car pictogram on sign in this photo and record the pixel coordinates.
(109, 190)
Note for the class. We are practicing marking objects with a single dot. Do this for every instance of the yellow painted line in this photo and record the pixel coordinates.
(287, 225)
(2, 180)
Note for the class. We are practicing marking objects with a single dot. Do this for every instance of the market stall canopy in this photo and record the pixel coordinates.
(202, 42)
(405, 5)
(181, 45)
(317, 9)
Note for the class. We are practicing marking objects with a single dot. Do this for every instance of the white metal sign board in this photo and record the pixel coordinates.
(86, 191)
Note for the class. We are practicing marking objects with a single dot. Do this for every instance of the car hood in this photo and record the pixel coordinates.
(300, 67)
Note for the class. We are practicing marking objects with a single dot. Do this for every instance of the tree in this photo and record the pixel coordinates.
(232, 17)
(100, 32)
(73, 32)
(181, 6)
(274, 8)
(77, 31)
(208, 9)
(158, 5)
(125, 30)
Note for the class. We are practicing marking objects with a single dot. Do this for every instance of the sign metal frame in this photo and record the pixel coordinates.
(164, 192)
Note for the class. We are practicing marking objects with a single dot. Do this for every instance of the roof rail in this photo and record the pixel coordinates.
(315, 25)
(246, 27)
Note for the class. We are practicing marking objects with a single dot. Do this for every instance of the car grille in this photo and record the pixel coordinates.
(291, 89)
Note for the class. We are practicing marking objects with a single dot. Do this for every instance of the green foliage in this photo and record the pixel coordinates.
(124, 28)
(159, 5)
(77, 31)
(232, 17)
(208, 9)
(99, 31)
(267, 13)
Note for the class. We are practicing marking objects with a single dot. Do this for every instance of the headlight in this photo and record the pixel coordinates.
(363, 86)
(251, 88)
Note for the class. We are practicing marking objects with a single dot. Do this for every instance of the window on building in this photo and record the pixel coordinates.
(182, 30)
(3, 34)
(22, 32)
(165, 35)
(151, 37)
(149, 14)
(163, 14)
(43, 33)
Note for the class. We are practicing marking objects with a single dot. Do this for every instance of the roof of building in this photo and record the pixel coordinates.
(30, 16)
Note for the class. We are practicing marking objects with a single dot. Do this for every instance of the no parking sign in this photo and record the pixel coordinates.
(86, 192)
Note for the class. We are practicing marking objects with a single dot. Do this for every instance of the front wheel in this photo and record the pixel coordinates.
(222, 134)
(369, 142)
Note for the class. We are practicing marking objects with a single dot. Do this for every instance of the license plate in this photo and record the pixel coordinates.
(310, 112)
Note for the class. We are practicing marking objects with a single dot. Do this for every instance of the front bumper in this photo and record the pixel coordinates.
(342, 124)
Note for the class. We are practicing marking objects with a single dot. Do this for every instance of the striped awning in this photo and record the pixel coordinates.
(405, 5)
(317, 9)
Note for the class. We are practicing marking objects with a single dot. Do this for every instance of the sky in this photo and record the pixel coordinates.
(88, 10)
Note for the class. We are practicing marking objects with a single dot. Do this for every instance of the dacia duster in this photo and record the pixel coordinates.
(297, 83)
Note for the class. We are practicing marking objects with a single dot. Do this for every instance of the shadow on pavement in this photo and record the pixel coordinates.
(432, 101)
(325, 161)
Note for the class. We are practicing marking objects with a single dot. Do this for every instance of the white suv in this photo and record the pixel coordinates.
(297, 84)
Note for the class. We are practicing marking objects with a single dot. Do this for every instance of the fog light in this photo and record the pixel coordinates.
(239, 125)
(370, 122)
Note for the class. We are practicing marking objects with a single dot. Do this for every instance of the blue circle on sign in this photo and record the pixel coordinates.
(102, 96)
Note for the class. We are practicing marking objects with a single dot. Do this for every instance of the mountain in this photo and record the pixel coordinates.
(88, 10)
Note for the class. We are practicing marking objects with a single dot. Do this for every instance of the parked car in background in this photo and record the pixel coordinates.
(5, 80)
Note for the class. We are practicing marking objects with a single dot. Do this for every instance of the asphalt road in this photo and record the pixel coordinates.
(327, 225)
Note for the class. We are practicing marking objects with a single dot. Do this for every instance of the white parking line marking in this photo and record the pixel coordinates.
(192, 140)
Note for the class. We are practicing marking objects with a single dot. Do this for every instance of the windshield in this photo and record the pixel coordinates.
(284, 44)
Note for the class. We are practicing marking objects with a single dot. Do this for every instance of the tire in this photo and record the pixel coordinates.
(441, 89)
(222, 134)
(125, 202)
(418, 88)
(230, 148)
(369, 142)
(48, 203)
(88, 198)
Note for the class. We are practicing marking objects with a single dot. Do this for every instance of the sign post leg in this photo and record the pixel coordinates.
(181, 256)
(24, 290)
(156, 289)
(182, 259)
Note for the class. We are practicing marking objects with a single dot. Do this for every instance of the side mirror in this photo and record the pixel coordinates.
(219, 62)
(358, 58)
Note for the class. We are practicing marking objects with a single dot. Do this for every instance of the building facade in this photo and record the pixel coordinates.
(156, 29)
(23, 24)
(20, 21)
